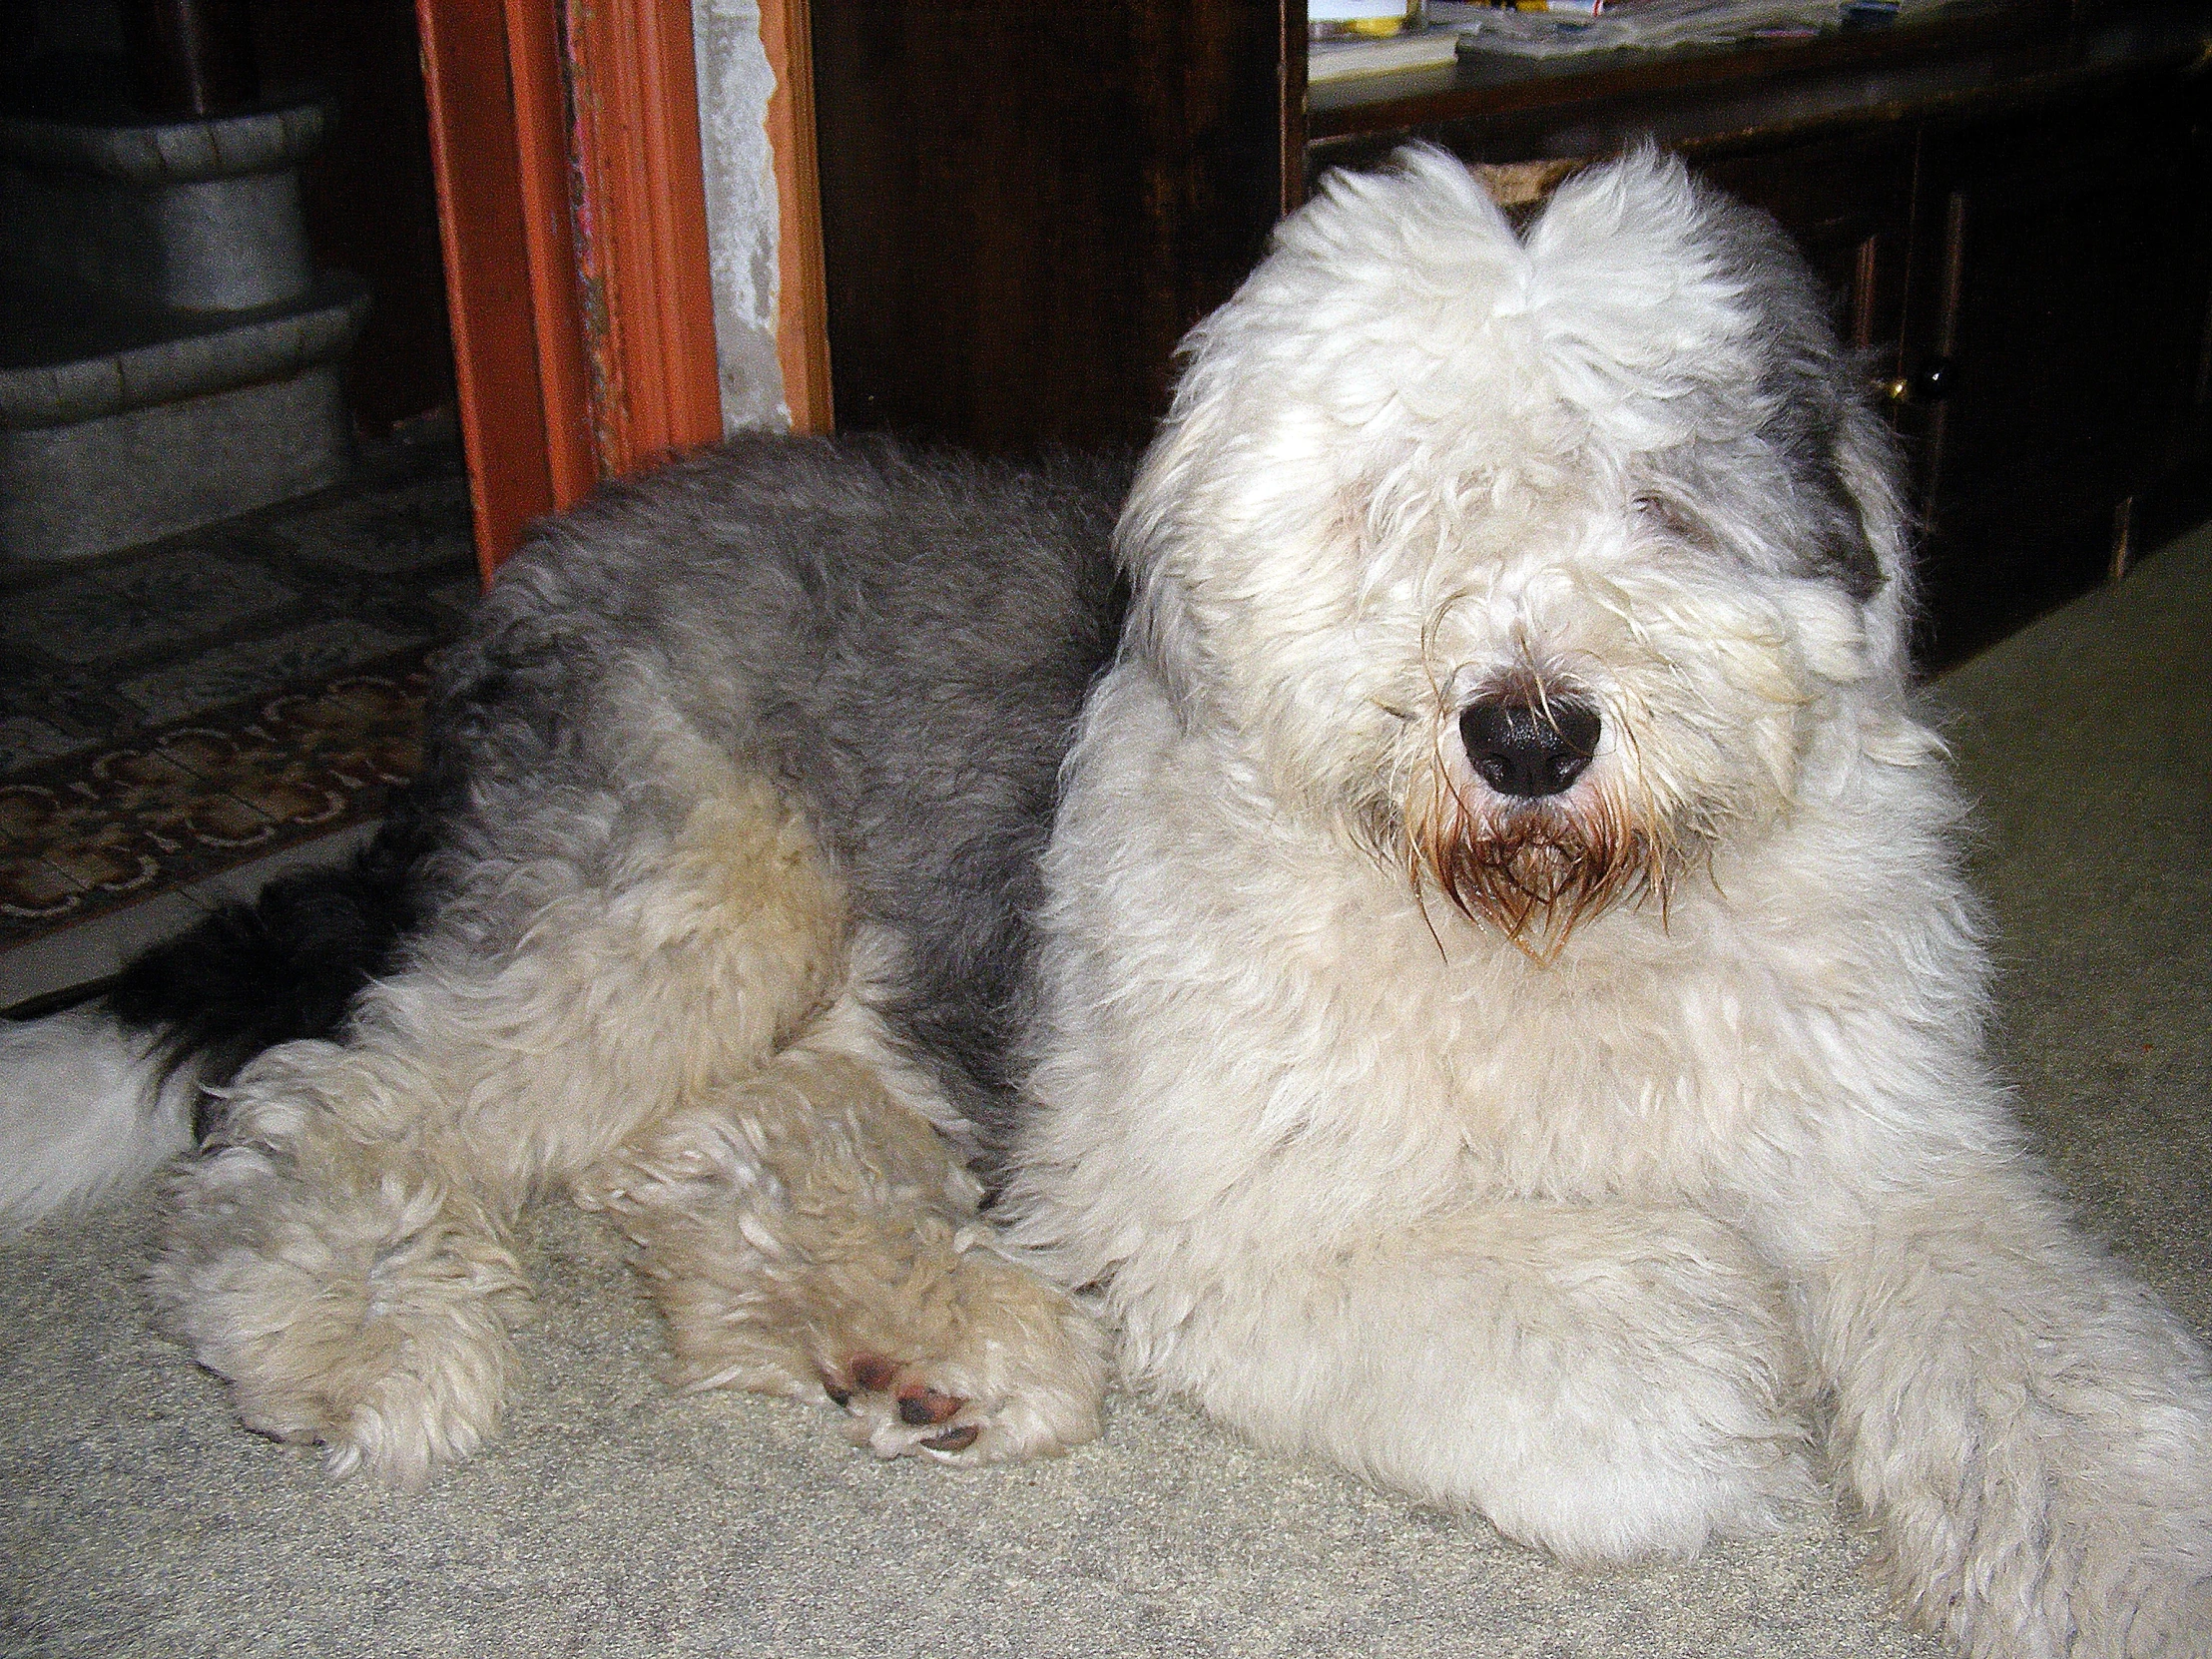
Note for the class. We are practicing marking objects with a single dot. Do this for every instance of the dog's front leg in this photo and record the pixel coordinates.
(2030, 1431)
(341, 1257)
(805, 1232)
(1608, 1381)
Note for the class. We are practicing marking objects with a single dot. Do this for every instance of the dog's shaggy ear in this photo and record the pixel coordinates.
(1823, 498)
(1871, 469)
(1842, 470)
(1155, 520)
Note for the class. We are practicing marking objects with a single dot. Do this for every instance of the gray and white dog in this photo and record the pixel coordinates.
(1497, 1007)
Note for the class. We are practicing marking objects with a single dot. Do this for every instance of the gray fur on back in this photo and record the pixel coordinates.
(902, 637)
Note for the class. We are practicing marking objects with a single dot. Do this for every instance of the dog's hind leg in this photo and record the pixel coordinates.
(809, 1230)
(356, 1294)
(342, 1253)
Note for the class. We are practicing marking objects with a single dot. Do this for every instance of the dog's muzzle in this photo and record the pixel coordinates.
(1529, 748)
(1524, 849)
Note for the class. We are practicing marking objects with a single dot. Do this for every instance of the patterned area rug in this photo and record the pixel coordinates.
(174, 711)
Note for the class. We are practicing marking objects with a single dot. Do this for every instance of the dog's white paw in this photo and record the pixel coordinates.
(430, 1395)
(808, 1229)
(937, 1345)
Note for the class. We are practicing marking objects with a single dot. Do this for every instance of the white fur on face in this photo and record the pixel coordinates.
(1418, 458)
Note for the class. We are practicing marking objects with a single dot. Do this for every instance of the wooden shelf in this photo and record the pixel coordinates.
(1968, 59)
(1497, 80)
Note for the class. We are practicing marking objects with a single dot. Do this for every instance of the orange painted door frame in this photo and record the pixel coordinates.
(565, 137)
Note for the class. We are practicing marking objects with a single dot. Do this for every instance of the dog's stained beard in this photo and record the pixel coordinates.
(1533, 869)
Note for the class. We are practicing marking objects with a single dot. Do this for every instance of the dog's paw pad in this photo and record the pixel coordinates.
(871, 1374)
(925, 1406)
(1010, 1369)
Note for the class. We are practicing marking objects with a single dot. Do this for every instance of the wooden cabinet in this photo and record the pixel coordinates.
(2060, 311)
(1025, 207)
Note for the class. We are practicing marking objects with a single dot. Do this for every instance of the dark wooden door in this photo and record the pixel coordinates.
(1024, 206)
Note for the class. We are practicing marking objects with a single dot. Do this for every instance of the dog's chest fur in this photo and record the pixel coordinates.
(1253, 1035)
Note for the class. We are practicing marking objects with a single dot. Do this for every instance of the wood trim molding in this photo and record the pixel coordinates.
(565, 138)
(641, 230)
(803, 309)
(523, 443)
(549, 245)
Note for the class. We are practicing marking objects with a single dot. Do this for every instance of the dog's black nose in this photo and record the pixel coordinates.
(1529, 748)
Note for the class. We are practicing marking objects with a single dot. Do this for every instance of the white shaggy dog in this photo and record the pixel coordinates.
(1501, 1010)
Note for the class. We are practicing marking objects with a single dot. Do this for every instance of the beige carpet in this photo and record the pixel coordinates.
(137, 1518)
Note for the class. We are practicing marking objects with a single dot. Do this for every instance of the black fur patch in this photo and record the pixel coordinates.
(285, 966)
